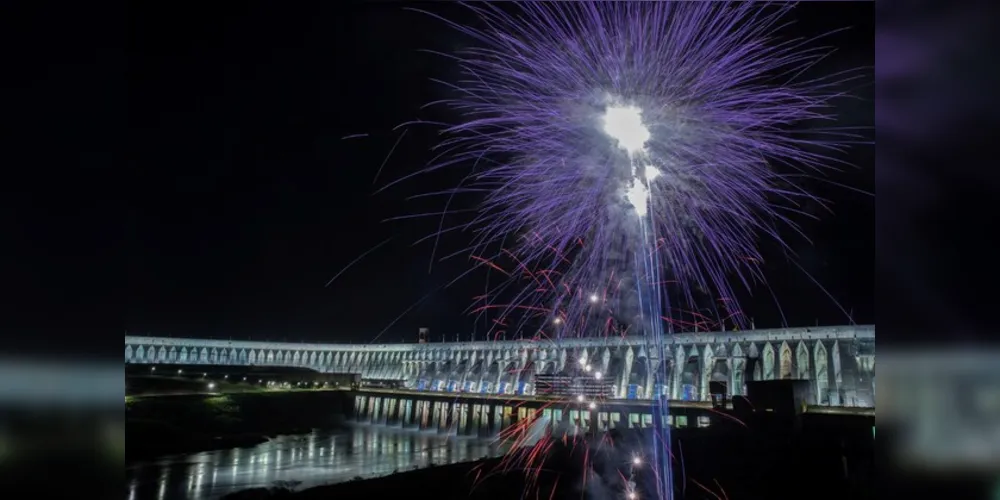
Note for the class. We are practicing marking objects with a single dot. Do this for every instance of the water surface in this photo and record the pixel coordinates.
(321, 457)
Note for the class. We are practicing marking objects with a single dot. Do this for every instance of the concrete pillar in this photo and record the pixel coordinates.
(474, 414)
(625, 376)
(482, 420)
(652, 365)
(423, 414)
(466, 419)
(621, 419)
(486, 420)
(391, 415)
(497, 419)
(835, 367)
(558, 417)
(520, 415)
(449, 421)
(493, 419)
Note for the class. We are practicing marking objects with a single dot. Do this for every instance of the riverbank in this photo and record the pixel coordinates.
(159, 426)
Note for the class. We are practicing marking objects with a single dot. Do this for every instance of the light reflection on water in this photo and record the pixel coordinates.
(308, 460)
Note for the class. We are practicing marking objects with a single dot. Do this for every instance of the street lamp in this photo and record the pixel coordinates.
(593, 298)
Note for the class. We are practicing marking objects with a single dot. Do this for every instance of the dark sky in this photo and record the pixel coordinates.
(248, 201)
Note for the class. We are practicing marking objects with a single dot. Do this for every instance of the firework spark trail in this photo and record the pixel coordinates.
(630, 143)
(355, 261)
(700, 74)
(387, 156)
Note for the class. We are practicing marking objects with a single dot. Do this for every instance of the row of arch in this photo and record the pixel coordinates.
(689, 368)
(319, 360)
(684, 376)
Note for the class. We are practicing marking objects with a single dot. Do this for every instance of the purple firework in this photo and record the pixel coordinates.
(634, 140)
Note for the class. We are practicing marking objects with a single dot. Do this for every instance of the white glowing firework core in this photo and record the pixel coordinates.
(650, 172)
(624, 124)
(637, 195)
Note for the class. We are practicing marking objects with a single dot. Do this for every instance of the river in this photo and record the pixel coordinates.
(305, 460)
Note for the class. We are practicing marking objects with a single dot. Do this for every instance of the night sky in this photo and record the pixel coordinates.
(248, 201)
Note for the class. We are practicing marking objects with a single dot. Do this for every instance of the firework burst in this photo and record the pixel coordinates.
(628, 153)
(634, 139)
